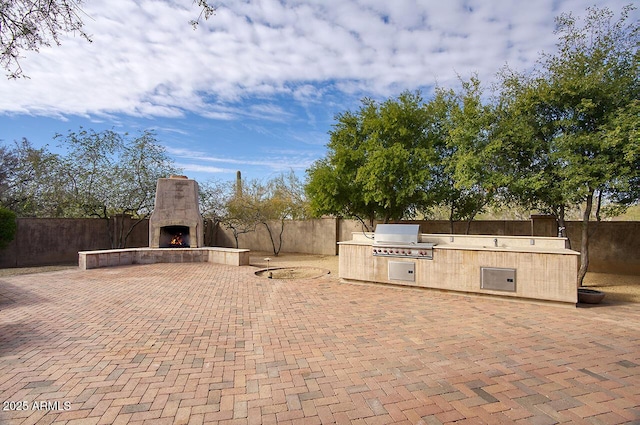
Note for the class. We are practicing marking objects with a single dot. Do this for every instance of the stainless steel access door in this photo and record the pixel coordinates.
(402, 270)
(498, 279)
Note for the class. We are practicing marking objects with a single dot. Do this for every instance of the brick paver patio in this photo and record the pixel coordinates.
(203, 343)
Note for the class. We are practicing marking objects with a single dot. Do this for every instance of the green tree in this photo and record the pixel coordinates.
(241, 211)
(624, 128)
(111, 175)
(580, 108)
(7, 227)
(464, 176)
(32, 183)
(214, 197)
(377, 162)
(8, 163)
(271, 205)
(526, 142)
(332, 190)
(221, 202)
(285, 201)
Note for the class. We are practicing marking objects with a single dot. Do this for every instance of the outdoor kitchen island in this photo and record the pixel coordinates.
(537, 268)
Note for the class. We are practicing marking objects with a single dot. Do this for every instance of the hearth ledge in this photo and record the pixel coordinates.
(128, 256)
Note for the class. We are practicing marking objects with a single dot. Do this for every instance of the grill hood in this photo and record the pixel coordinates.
(389, 234)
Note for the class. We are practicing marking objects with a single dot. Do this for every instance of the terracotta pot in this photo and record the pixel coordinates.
(590, 296)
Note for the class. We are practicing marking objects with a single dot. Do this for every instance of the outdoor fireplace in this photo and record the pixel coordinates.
(176, 221)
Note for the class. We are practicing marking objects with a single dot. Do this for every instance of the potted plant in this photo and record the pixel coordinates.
(590, 296)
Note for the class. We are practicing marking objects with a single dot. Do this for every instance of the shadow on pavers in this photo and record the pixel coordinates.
(15, 335)
(13, 296)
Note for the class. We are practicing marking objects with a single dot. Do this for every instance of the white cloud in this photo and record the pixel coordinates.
(274, 160)
(203, 168)
(147, 61)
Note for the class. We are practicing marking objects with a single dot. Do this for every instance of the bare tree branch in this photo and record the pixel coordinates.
(28, 25)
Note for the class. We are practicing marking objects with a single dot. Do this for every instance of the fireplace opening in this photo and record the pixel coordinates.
(174, 237)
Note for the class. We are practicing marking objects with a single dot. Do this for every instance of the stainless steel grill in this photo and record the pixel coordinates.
(400, 240)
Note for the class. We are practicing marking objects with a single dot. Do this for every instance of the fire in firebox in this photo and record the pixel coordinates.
(174, 237)
(177, 241)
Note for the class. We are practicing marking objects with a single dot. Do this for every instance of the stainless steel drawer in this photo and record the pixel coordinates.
(498, 279)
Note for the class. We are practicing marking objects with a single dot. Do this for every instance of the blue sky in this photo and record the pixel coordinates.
(256, 87)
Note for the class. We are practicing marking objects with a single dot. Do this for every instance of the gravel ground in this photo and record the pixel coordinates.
(619, 288)
(328, 262)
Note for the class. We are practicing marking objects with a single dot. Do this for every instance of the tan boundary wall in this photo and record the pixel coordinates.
(317, 236)
(615, 245)
(48, 241)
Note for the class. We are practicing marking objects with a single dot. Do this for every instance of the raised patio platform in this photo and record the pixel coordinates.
(124, 257)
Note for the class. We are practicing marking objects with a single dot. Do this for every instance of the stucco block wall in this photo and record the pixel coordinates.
(615, 245)
(45, 241)
(317, 236)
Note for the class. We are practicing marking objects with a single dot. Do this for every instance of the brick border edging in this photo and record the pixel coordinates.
(124, 257)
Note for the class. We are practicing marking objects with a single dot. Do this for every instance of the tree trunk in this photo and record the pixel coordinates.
(110, 229)
(562, 225)
(119, 230)
(469, 221)
(235, 236)
(595, 227)
(130, 230)
(280, 235)
(598, 205)
(365, 226)
(273, 243)
(451, 221)
(584, 243)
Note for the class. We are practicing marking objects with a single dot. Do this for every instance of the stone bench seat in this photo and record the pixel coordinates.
(123, 257)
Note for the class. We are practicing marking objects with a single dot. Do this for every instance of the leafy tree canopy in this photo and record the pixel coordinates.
(465, 174)
(578, 118)
(31, 181)
(376, 162)
(269, 204)
(103, 174)
(110, 174)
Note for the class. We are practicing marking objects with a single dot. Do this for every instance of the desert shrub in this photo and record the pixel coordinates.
(7, 227)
